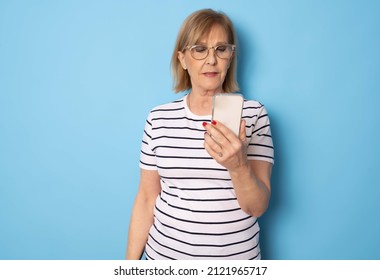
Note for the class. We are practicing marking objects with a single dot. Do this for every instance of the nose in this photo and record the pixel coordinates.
(211, 57)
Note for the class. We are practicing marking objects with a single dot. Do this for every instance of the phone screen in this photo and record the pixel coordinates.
(227, 109)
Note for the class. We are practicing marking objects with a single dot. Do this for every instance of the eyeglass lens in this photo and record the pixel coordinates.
(201, 52)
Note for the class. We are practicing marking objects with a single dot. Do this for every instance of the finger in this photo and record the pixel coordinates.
(212, 143)
(242, 134)
(235, 142)
(227, 133)
(216, 134)
(213, 149)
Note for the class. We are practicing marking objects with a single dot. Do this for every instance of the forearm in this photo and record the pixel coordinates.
(252, 194)
(141, 221)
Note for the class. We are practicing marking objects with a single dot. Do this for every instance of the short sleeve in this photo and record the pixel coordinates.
(147, 154)
(261, 144)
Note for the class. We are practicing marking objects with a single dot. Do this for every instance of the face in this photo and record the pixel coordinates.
(207, 75)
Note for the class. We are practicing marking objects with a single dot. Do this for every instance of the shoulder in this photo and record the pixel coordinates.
(170, 106)
(252, 108)
(173, 108)
(252, 104)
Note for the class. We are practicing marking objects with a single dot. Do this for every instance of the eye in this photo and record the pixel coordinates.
(222, 48)
(199, 49)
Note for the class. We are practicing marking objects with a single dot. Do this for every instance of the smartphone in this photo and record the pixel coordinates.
(227, 109)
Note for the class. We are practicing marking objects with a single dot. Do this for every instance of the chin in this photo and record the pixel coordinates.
(215, 89)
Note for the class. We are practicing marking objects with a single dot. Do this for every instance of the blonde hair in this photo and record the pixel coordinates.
(193, 29)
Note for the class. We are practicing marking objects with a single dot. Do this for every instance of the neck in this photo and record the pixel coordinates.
(200, 105)
(200, 102)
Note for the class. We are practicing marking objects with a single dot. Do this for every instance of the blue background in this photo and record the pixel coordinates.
(78, 78)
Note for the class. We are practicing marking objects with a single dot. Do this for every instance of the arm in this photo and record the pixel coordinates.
(252, 186)
(251, 179)
(142, 213)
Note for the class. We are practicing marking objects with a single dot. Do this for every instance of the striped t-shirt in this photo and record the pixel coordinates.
(197, 215)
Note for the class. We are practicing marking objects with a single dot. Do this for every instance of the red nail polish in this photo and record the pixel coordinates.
(204, 123)
(213, 122)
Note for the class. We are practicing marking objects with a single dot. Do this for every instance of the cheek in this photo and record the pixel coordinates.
(226, 68)
(193, 67)
(229, 63)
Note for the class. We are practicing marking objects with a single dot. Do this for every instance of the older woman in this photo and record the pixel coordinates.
(202, 187)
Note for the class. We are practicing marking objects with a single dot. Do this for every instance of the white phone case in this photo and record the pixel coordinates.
(227, 109)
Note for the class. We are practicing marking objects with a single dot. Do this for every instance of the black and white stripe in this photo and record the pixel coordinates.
(197, 214)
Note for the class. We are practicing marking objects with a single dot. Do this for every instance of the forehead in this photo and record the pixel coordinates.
(216, 33)
(201, 33)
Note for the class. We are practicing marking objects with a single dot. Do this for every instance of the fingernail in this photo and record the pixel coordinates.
(213, 122)
(204, 123)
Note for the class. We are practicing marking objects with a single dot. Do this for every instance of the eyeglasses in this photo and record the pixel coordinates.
(222, 51)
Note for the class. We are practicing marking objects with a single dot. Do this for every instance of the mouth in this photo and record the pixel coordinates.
(210, 74)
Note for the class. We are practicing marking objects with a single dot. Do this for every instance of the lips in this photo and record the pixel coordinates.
(210, 74)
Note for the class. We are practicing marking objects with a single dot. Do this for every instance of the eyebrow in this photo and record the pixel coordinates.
(217, 44)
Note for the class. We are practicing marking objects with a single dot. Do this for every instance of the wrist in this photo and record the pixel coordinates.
(241, 171)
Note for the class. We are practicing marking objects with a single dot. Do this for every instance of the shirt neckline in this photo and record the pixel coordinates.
(191, 114)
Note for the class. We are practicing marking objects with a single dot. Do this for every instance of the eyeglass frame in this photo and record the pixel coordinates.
(233, 47)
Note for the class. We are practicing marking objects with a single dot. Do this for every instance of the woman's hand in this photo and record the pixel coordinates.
(251, 179)
(225, 147)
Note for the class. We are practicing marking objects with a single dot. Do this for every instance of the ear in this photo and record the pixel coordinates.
(181, 58)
